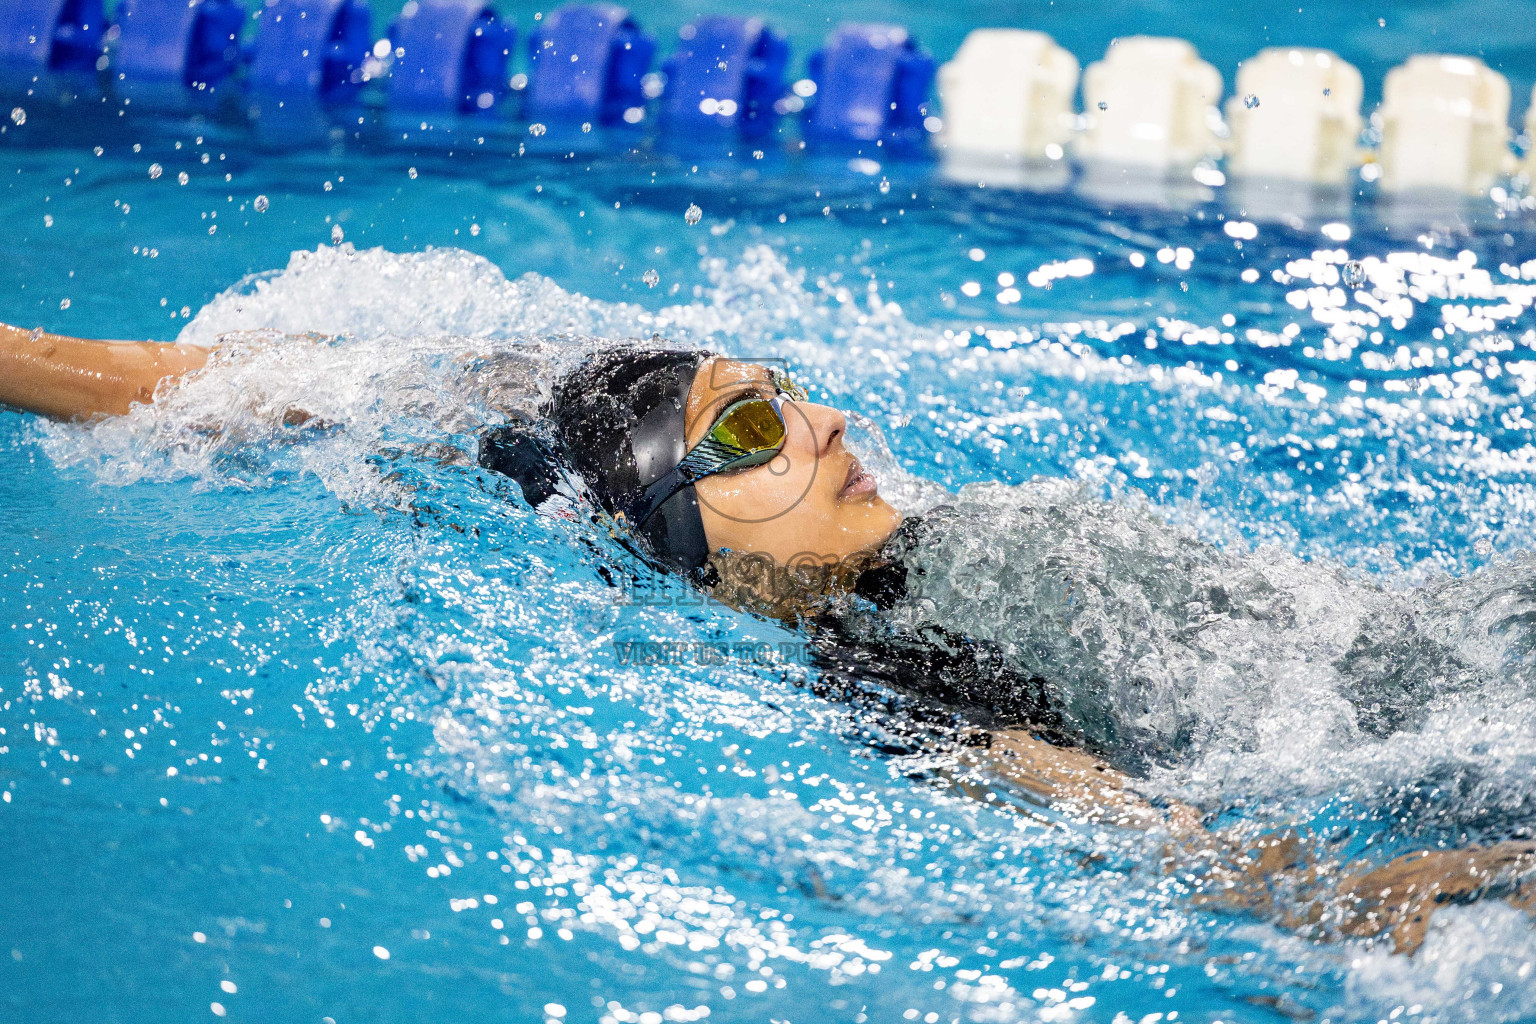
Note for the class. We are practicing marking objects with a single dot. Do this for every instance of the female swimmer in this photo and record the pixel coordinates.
(722, 471)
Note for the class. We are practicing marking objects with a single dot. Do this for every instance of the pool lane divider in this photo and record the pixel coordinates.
(725, 76)
(872, 84)
(450, 55)
(312, 47)
(1151, 106)
(41, 36)
(587, 63)
(163, 45)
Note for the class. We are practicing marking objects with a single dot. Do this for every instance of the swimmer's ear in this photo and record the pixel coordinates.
(532, 460)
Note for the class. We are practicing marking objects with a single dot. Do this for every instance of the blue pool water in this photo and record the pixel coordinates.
(307, 724)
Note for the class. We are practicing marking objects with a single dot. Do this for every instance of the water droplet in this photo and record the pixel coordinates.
(261, 204)
(64, 304)
(98, 151)
(1103, 105)
(1354, 274)
(757, 154)
(337, 234)
(37, 335)
(1327, 92)
(47, 220)
(586, 126)
(1381, 22)
(1250, 101)
(155, 170)
(651, 278)
(186, 312)
(693, 214)
(328, 186)
(474, 229)
(183, 178)
(18, 116)
(536, 129)
(1483, 547)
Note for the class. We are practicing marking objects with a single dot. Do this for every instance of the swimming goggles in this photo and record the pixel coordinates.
(747, 433)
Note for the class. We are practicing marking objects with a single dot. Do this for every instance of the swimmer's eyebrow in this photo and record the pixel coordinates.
(724, 394)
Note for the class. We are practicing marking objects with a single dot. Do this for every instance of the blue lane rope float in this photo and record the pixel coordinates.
(586, 62)
(872, 85)
(726, 73)
(167, 42)
(314, 48)
(450, 55)
(51, 35)
(867, 86)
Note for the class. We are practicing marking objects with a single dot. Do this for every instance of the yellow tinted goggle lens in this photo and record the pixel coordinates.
(752, 426)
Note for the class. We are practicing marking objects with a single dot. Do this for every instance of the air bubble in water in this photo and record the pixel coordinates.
(651, 278)
(337, 234)
(63, 303)
(536, 129)
(1250, 101)
(261, 204)
(18, 116)
(885, 186)
(693, 214)
(47, 220)
(183, 178)
(1354, 274)
(155, 170)
(586, 126)
(1483, 547)
(1103, 105)
(474, 229)
(411, 172)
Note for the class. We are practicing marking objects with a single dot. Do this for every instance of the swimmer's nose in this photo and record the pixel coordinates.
(821, 427)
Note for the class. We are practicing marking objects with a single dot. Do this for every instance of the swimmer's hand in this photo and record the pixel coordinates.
(78, 379)
(1399, 897)
(1281, 875)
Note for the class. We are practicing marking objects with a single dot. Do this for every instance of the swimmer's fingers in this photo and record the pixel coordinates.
(1400, 897)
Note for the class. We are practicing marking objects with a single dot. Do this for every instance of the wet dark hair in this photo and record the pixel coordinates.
(613, 426)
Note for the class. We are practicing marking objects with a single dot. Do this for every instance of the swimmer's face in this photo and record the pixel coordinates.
(812, 502)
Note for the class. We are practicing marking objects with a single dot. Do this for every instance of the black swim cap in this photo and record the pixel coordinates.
(618, 422)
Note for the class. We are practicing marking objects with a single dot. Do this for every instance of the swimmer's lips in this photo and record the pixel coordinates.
(860, 483)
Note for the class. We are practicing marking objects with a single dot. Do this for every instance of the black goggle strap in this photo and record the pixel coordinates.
(708, 457)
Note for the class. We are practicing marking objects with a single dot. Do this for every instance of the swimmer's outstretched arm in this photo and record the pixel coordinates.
(1277, 875)
(78, 379)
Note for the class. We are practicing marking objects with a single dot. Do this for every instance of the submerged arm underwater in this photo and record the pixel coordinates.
(1278, 875)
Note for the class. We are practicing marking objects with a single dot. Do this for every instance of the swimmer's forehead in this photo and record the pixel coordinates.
(718, 382)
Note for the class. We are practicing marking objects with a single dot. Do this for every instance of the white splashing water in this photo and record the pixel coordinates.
(1271, 675)
(1267, 677)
